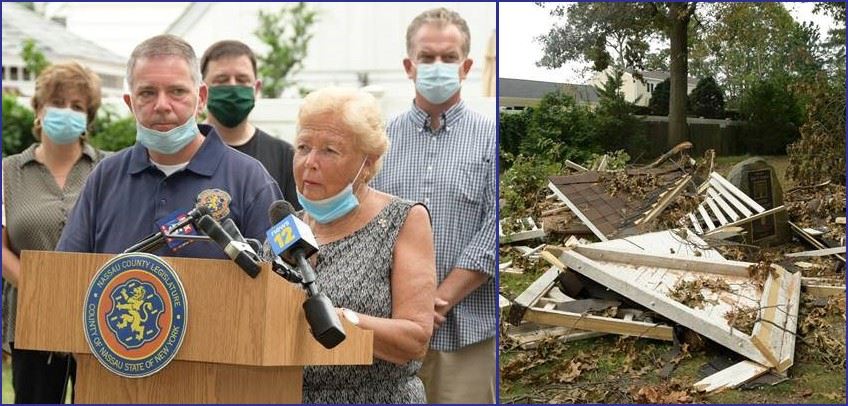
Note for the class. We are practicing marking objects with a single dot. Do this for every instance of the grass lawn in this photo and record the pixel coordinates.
(8, 393)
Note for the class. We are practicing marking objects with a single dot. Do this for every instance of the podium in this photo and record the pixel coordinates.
(246, 340)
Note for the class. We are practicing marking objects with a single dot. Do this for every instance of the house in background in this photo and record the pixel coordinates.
(354, 44)
(58, 45)
(637, 90)
(518, 94)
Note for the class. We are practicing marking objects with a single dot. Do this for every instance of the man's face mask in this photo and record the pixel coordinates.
(230, 105)
(437, 82)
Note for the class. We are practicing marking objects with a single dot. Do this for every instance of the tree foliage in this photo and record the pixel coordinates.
(744, 43)
(819, 154)
(773, 114)
(513, 128)
(617, 34)
(560, 129)
(615, 125)
(287, 34)
(112, 132)
(34, 59)
(707, 99)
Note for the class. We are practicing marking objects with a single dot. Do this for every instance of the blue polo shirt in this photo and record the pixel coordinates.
(126, 194)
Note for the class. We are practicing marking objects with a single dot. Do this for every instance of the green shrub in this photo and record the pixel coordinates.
(112, 132)
(17, 126)
(513, 127)
(522, 183)
(616, 126)
(707, 99)
(560, 129)
(819, 154)
(773, 116)
(660, 98)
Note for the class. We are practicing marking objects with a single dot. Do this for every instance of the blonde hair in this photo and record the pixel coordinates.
(358, 112)
(441, 17)
(62, 76)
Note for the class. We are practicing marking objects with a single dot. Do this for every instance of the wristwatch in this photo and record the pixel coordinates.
(351, 316)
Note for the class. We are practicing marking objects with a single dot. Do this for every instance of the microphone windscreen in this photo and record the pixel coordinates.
(279, 210)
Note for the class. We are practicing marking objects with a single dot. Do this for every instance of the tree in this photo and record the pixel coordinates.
(707, 99)
(616, 127)
(513, 128)
(819, 154)
(773, 114)
(659, 98)
(560, 129)
(616, 34)
(287, 34)
(34, 59)
(17, 126)
(743, 43)
(836, 37)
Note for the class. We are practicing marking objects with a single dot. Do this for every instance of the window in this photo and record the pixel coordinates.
(26, 74)
(13, 73)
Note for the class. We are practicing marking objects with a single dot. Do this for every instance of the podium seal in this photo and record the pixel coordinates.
(135, 315)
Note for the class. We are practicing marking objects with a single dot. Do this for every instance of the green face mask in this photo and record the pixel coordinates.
(230, 104)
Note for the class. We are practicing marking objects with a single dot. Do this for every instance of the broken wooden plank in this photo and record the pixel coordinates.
(599, 324)
(811, 239)
(572, 165)
(532, 294)
(747, 220)
(574, 209)
(787, 350)
(839, 220)
(695, 224)
(739, 194)
(823, 287)
(723, 204)
(730, 197)
(731, 377)
(529, 335)
(503, 302)
(720, 267)
(668, 197)
(818, 253)
(721, 219)
(706, 217)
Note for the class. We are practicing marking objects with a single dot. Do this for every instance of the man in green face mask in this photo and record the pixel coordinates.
(229, 70)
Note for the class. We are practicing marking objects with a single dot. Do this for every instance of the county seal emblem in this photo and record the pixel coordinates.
(135, 315)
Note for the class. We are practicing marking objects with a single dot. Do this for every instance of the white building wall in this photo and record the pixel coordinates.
(349, 38)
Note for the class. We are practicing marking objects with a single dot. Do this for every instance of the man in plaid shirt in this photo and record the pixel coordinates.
(443, 155)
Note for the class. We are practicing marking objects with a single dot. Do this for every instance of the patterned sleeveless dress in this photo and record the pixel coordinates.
(355, 272)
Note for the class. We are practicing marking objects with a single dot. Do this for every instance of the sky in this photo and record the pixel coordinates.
(520, 23)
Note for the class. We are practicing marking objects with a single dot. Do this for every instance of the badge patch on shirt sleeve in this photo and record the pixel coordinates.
(217, 201)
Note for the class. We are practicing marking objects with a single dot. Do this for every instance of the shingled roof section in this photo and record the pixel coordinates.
(53, 39)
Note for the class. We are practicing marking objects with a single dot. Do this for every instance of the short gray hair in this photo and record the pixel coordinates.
(441, 17)
(165, 45)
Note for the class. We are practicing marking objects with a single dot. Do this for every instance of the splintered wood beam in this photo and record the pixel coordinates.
(811, 239)
(532, 294)
(694, 264)
(576, 167)
(599, 324)
(818, 253)
(731, 377)
(788, 347)
(669, 196)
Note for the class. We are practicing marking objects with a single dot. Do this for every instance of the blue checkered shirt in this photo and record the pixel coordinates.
(452, 171)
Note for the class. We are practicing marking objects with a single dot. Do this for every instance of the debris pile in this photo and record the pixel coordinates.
(670, 252)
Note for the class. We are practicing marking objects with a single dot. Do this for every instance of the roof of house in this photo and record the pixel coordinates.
(661, 75)
(53, 39)
(534, 89)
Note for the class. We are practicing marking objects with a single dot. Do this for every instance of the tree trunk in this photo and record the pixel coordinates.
(678, 17)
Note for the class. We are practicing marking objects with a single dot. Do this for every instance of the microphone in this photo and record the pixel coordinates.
(292, 240)
(240, 252)
(232, 229)
(155, 241)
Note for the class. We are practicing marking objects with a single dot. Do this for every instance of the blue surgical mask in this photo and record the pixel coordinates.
(63, 126)
(167, 142)
(334, 207)
(437, 82)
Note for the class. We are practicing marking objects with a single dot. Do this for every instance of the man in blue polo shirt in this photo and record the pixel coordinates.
(172, 166)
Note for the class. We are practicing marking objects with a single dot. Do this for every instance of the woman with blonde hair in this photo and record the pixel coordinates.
(376, 259)
(40, 186)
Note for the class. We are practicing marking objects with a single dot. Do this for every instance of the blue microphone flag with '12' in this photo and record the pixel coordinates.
(290, 234)
(164, 224)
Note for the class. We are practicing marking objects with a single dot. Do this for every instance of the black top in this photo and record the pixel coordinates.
(277, 156)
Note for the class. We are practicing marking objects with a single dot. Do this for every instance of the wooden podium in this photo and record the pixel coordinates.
(246, 341)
